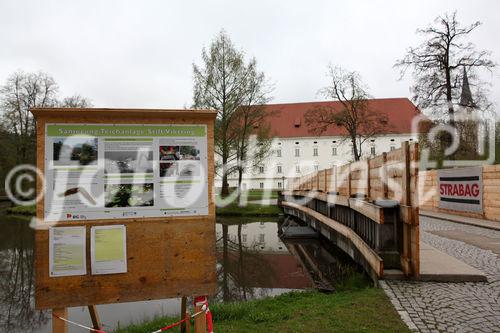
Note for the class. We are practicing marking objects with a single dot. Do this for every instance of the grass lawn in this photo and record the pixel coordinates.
(248, 210)
(361, 310)
(22, 210)
(258, 194)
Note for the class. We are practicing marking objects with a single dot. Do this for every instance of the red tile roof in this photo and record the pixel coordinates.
(287, 120)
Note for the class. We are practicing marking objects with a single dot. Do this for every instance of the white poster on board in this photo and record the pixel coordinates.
(106, 171)
(67, 251)
(108, 249)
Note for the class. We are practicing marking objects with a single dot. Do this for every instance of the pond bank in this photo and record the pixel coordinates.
(357, 310)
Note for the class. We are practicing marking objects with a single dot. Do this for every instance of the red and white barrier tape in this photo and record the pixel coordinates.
(79, 325)
(157, 331)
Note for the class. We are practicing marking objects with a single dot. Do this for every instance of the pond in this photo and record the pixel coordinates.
(252, 262)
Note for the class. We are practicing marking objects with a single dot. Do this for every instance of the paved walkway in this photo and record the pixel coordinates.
(453, 307)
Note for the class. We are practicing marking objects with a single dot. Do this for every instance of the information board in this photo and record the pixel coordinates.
(127, 212)
(115, 170)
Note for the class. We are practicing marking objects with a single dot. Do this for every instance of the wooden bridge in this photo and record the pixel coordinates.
(367, 208)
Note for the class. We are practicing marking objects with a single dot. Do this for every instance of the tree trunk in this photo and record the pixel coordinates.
(355, 148)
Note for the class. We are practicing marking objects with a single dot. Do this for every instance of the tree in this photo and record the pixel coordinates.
(226, 83)
(21, 92)
(438, 65)
(76, 101)
(253, 139)
(354, 116)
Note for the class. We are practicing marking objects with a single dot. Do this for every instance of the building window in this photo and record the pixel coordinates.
(334, 151)
(373, 150)
(261, 169)
(316, 167)
(244, 238)
(297, 152)
(261, 238)
(297, 168)
(392, 148)
(315, 151)
(280, 185)
(278, 153)
(280, 170)
(261, 185)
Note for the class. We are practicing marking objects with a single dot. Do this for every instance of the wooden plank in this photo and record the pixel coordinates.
(372, 258)
(368, 209)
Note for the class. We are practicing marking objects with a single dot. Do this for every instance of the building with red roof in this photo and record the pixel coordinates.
(296, 150)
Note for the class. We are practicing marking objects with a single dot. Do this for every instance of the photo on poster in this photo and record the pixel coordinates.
(81, 195)
(129, 195)
(189, 153)
(169, 169)
(139, 161)
(170, 153)
(74, 151)
(189, 169)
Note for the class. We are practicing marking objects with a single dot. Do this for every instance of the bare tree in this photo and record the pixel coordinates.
(354, 117)
(224, 83)
(76, 101)
(438, 65)
(21, 92)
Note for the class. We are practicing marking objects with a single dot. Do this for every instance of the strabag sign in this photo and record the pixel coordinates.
(461, 189)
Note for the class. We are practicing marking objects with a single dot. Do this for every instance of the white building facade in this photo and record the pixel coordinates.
(296, 152)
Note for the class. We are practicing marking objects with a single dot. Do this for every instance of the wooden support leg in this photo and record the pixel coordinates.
(58, 325)
(183, 313)
(94, 316)
(200, 322)
(188, 323)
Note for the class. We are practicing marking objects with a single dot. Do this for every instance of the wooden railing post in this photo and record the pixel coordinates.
(384, 175)
(368, 185)
(349, 181)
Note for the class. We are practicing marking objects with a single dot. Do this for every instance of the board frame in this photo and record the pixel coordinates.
(170, 256)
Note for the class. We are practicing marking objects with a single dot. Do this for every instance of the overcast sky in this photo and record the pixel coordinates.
(140, 53)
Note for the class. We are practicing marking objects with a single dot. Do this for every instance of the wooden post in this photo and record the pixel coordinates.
(94, 316)
(349, 181)
(384, 175)
(368, 186)
(200, 321)
(334, 174)
(188, 322)
(58, 325)
(183, 312)
(406, 201)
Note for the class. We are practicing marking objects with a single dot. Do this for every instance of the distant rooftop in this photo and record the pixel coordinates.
(288, 120)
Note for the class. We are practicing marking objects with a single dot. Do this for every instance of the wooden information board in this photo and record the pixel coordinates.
(170, 249)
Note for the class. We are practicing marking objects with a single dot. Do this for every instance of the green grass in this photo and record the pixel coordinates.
(360, 310)
(22, 210)
(248, 210)
(253, 195)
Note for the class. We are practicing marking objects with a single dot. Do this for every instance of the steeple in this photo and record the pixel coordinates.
(466, 96)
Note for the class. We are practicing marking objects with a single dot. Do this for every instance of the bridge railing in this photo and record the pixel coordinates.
(360, 187)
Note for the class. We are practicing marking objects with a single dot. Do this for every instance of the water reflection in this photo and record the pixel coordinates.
(17, 311)
(252, 262)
